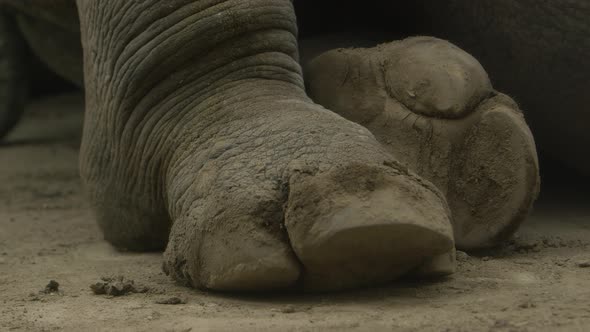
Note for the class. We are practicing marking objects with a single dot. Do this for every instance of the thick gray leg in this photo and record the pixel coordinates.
(197, 122)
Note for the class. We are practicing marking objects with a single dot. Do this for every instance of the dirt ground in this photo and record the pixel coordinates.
(538, 282)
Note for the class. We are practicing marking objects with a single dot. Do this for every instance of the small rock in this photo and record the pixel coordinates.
(52, 287)
(116, 286)
(583, 264)
(486, 258)
(171, 300)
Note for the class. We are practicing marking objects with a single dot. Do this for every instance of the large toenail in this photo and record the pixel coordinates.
(362, 226)
(435, 78)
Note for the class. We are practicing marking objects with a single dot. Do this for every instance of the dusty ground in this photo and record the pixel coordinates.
(536, 283)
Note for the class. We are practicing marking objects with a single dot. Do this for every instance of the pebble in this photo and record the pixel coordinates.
(52, 287)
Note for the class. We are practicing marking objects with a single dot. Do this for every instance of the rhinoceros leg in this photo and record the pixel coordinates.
(199, 137)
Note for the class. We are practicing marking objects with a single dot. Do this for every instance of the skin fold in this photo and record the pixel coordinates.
(200, 139)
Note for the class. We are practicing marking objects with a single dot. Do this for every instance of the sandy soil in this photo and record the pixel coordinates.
(538, 282)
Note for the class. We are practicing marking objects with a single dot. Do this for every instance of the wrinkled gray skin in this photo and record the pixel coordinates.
(199, 137)
(534, 51)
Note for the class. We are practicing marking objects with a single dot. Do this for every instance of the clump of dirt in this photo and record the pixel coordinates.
(116, 286)
(52, 287)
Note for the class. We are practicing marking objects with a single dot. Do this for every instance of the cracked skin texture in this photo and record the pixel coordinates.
(534, 50)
